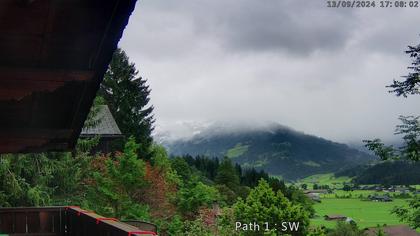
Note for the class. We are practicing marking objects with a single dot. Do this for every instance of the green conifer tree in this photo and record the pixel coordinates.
(114, 189)
(127, 96)
(227, 175)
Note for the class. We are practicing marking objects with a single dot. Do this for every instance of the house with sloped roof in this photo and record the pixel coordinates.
(383, 198)
(313, 196)
(396, 230)
(316, 191)
(335, 217)
(106, 129)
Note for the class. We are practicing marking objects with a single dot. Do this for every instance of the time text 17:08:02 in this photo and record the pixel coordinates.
(373, 4)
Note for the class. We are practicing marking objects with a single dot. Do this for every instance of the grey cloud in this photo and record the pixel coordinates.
(388, 30)
(294, 26)
(322, 71)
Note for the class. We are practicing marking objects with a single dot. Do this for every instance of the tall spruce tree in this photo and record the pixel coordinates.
(127, 96)
(227, 175)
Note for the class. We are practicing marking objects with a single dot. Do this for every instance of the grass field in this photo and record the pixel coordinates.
(354, 193)
(365, 213)
(324, 179)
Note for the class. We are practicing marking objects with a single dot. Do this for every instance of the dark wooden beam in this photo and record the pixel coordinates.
(25, 2)
(13, 145)
(35, 74)
(35, 133)
(54, 56)
(32, 145)
(19, 83)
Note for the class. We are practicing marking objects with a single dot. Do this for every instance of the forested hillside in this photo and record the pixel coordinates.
(276, 149)
(385, 173)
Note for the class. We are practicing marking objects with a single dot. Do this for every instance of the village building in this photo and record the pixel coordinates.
(402, 189)
(383, 198)
(316, 191)
(398, 230)
(313, 196)
(335, 217)
(350, 220)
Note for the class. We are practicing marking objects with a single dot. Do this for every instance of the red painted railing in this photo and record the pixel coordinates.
(65, 221)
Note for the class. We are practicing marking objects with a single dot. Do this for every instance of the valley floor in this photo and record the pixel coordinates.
(364, 213)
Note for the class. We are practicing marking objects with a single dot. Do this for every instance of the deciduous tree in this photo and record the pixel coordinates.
(264, 205)
(115, 186)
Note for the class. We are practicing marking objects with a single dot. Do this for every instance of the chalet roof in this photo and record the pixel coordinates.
(397, 230)
(107, 127)
(335, 216)
(316, 191)
(379, 197)
(53, 58)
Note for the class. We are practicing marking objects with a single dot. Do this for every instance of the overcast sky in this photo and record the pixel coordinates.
(296, 62)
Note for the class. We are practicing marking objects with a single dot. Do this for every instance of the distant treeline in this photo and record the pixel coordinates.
(247, 176)
(386, 173)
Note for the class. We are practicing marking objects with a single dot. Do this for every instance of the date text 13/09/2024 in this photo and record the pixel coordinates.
(373, 4)
(254, 226)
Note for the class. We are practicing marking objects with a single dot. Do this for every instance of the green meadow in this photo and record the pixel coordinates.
(324, 179)
(237, 151)
(354, 194)
(348, 203)
(364, 213)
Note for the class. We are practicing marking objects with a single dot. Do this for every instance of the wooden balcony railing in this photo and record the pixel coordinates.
(66, 221)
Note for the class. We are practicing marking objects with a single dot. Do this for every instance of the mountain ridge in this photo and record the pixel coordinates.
(278, 149)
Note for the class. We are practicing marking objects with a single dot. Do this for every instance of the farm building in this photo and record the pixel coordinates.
(381, 198)
(317, 191)
(335, 217)
(402, 189)
(398, 230)
(313, 196)
(349, 220)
